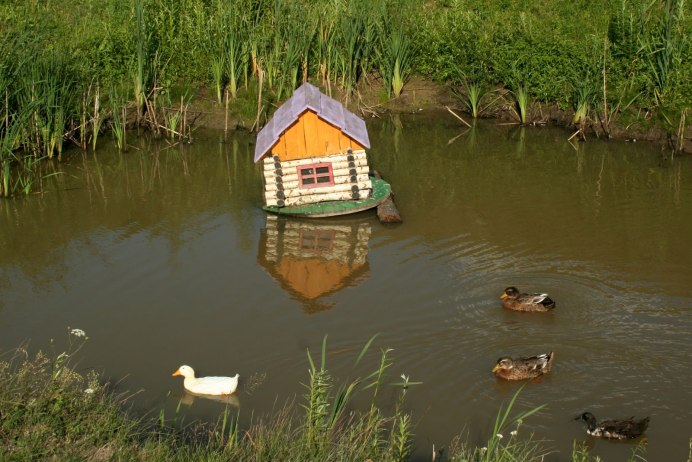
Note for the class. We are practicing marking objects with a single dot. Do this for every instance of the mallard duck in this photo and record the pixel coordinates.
(207, 385)
(523, 368)
(512, 299)
(619, 429)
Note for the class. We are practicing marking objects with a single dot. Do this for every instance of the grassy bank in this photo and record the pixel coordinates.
(50, 411)
(71, 74)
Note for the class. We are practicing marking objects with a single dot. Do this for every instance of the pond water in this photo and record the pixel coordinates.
(164, 257)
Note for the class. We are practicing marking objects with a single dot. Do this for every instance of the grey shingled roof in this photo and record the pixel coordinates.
(328, 109)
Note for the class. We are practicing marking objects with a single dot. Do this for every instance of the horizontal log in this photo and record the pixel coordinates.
(343, 179)
(342, 172)
(292, 175)
(296, 192)
(269, 161)
(313, 199)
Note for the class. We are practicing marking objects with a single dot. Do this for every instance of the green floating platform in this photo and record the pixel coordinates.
(381, 190)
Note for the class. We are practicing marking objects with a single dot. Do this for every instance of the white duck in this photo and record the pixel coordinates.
(207, 385)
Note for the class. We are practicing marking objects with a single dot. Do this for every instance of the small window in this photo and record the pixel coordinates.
(316, 175)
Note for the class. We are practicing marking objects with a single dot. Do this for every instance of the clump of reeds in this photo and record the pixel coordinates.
(17, 172)
(47, 87)
(236, 49)
(585, 96)
(473, 94)
(118, 106)
(521, 102)
(395, 60)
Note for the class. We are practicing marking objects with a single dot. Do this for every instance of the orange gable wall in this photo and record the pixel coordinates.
(311, 136)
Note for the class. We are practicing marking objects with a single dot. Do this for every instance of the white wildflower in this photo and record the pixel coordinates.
(78, 332)
(513, 433)
(499, 435)
(89, 391)
(405, 377)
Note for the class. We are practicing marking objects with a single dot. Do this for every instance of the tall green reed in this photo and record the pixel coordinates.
(351, 51)
(586, 87)
(15, 169)
(142, 68)
(396, 55)
(97, 119)
(325, 44)
(326, 417)
(237, 54)
(48, 88)
(663, 47)
(298, 29)
(521, 102)
(473, 94)
(118, 108)
(218, 68)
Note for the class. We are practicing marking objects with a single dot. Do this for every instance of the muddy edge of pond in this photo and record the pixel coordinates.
(424, 95)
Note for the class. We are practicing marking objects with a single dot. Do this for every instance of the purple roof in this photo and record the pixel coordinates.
(328, 109)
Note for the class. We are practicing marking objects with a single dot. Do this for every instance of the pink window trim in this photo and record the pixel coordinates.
(315, 179)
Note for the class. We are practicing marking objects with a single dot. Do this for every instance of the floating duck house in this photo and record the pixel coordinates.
(313, 152)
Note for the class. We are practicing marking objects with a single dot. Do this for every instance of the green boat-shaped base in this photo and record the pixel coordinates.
(381, 190)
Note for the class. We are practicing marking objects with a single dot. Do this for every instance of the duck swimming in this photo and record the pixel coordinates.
(512, 299)
(207, 385)
(619, 429)
(523, 368)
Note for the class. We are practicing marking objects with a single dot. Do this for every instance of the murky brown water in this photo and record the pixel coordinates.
(163, 256)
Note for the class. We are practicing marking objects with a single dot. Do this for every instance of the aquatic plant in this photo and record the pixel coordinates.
(351, 34)
(326, 42)
(521, 102)
(395, 60)
(141, 69)
(472, 94)
(236, 46)
(118, 108)
(47, 86)
(218, 67)
(664, 47)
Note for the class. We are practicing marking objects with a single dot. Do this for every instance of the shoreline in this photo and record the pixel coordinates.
(422, 95)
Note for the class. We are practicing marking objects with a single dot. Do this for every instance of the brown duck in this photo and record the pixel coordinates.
(512, 299)
(524, 367)
(619, 429)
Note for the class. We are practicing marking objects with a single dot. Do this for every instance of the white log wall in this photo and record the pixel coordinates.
(351, 181)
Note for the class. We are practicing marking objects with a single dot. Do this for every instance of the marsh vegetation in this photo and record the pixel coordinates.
(69, 75)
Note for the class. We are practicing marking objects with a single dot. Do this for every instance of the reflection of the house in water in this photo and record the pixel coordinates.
(313, 259)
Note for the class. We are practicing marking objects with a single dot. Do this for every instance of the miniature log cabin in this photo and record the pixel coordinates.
(313, 150)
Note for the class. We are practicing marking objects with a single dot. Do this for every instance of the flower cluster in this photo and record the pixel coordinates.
(78, 333)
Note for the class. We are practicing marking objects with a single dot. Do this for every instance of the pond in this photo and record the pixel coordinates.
(164, 257)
